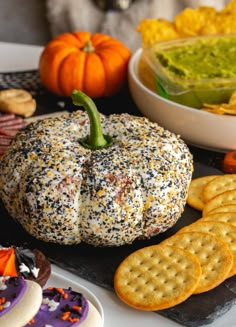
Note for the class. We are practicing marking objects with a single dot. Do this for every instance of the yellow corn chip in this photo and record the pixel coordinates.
(156, 30)
(220, 109)
(229, 8)
(232, 99)
(202, 20)
(190, 22)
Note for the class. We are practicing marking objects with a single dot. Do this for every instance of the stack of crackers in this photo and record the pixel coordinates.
(195, 260)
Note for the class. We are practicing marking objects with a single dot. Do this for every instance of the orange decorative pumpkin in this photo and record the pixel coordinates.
(95, 64)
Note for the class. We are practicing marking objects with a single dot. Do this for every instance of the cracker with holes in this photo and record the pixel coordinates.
(213, 254)
(224, 208)
(225, 231)
(157, 277)
(227, 217)
(194, 198)
(18, 102)
(218, 185)
(225, 198)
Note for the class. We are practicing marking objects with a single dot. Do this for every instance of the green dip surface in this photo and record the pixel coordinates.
(205, 58)
(196, 70)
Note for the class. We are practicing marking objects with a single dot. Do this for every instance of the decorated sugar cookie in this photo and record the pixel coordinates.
(66, 308)
(20, 261)
(20, 300)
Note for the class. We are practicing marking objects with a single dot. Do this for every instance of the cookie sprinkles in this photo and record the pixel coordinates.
(62, 190)
(61, 307)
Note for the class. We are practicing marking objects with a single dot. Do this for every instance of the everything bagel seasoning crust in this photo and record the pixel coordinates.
(61, 192)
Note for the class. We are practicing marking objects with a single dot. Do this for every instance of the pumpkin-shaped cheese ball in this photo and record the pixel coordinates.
(66, 182)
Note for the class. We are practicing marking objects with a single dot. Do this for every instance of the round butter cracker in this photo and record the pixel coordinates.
(223, 230)
(225, 198)
(227, 217)
(219, 185)
(213, 254)
(194, 198)
(224, 208)
(157, 277)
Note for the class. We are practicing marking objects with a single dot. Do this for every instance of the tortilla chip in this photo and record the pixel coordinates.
(190, 22)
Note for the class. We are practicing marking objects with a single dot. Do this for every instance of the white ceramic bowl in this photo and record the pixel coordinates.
(196, 127)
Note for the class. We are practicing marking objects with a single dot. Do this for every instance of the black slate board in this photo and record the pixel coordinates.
(99, 264)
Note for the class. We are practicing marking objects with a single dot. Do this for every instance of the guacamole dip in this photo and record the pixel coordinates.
(203, 59)
(197, 70)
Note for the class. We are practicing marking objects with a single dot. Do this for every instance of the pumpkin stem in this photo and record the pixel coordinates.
(96, 139)
(88, 47)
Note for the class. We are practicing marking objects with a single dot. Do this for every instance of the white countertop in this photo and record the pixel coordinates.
(16, 57)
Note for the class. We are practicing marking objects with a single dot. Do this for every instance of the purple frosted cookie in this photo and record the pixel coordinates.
(20, 300)
(66, 308)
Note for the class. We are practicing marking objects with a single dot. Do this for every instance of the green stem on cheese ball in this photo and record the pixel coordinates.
(96, 139)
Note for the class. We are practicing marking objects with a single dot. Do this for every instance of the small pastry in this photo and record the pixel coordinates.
(17, 101)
